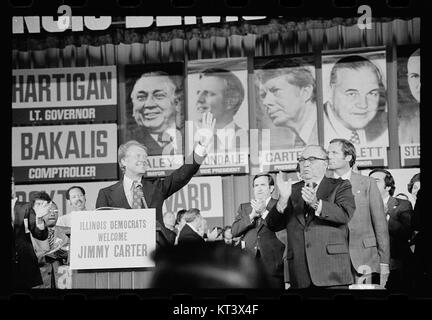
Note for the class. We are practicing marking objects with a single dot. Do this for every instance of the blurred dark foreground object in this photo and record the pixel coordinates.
(206, 265)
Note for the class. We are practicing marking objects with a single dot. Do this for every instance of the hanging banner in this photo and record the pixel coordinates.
(64, 153)
(108, 239)
(154, 104)
(64, 95)
(408, 63)
(220, 86)
(203, 193)
(286, 111)
(355, 103)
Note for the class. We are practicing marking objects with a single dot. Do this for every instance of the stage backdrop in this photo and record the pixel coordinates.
(286, 112)
(152, 103)
(408, 79)
(220, 86)
(355, 103)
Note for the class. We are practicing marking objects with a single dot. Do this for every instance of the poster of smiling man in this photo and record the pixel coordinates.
(408, 65)
(355, 103)
(153, 114)
(286, 111)
(219, 86)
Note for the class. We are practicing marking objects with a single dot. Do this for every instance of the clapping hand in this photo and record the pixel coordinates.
(309, 194)
(206, 129)
(285, 187)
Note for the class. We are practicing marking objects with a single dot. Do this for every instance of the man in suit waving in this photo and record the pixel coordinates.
(133, 191)
(368, 236)
(259, 240)
(315, 213)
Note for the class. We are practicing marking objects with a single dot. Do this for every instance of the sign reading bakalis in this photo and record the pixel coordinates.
(64, 153)
(64, 95)
(108, 239)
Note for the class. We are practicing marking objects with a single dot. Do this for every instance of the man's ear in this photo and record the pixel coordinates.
(348, 158)
(232, 101)
(272, 189)
(306, 93)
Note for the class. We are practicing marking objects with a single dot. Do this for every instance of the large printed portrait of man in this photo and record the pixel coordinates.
(285, 90)
(219, 86)
(154, 112)
(409, 94)
(355, 103)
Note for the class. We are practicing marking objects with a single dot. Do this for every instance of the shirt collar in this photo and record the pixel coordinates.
(385, 200)
(345, 176)
(341, 130)
(128, 182)
(192, 227)
(172, 132)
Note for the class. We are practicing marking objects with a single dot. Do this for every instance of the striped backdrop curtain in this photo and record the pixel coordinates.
(119, 46)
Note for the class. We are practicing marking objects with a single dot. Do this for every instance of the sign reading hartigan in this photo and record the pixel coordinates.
(64, 95)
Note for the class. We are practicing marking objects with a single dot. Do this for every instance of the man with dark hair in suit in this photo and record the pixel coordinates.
(133, 191)
(398, 214)
(259, 240)
(356, 108)
(368, 237)
(26, 220)
(156, 99)
(192, 230)
(221, 92)
(315, 213)
(76, 198)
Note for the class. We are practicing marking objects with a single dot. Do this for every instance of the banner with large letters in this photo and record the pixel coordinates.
(64, 95)
(108, 239)
(64, 153)
(204, 193)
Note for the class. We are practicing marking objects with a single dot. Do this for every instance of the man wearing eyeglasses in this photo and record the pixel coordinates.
(315, 213)
(368, 232)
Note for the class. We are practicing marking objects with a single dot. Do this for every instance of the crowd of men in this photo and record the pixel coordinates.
(332, 229)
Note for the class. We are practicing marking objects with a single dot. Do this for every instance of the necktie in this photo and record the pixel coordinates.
(259, 222)
(355, 139)
(164, 139)
(51, 238)
(137, 194)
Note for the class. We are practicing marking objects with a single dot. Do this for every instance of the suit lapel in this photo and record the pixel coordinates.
(118, 193)
(298, 202)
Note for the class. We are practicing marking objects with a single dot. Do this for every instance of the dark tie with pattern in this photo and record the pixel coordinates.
(51, 238)
(137, 194)
(355, 138)
(164, 139)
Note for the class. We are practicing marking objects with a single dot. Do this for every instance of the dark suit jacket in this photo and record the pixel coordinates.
(153, 148)
(25, 264)
(317, 248)
(399, 226)
(271, 248)
(155, 192)
(171, 235)
(189, 235)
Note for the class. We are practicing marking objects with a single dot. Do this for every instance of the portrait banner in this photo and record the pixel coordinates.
(220, 86)
(408, 66)
(153, 113)
(64, 153)
(64, 95)
(355, 103)
(286, 109)
(106, 239)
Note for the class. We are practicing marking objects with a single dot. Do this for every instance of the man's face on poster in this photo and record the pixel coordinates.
(211, 97)
(413, 67)
(355, 96)
(154, 103)
(282, 100)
